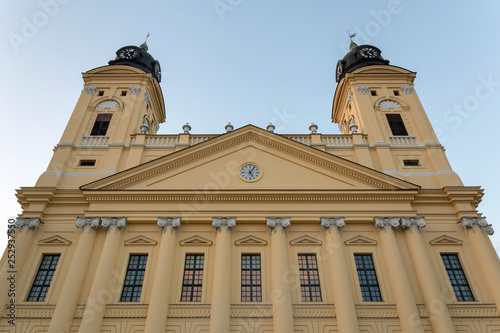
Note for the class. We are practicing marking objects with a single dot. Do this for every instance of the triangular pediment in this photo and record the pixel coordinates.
(54, 240)
(361, 240)
(305, 240)
(251, 240)
(195, 241)
(445, 240)
(140, 240)
(216, 164)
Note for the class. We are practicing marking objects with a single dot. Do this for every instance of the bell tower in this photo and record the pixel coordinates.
(379, 101)
(118, 101)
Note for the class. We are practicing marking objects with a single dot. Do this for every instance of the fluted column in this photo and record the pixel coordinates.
(220, 311)
(280, 276)
(477, 229)
(19, 243)
(347, 321)
(436, 307)
(104, 286)
(398, 279)
(156, 320)
(68, 299)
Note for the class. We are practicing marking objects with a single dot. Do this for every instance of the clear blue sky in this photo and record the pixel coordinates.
(250, 61)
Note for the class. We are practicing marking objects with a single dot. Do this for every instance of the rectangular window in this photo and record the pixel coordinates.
(132, 287)
(251, 285)
(101, 124)
(457, 277)
(373, 92)
(396, 123)
(396, 93)
(43, 278)
(87, 162)
(309, 278)
(192, 281)
(410, 162)
(367, 278)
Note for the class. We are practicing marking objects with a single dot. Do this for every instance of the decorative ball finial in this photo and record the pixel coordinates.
(271, 127)
(353, 45)
(186, 128)
(229, 127)
(144, 45)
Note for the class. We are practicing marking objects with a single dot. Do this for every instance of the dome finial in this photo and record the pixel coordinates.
(353, 45)
(144, 45)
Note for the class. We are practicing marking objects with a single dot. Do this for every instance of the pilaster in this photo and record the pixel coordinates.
(281, 296)
(220, 312)
(398, 279)
(156, 319)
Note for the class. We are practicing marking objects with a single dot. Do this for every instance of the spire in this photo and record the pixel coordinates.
(144, 45)
(353, 45)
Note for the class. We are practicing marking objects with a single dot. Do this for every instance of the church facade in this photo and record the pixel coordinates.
(249, 231)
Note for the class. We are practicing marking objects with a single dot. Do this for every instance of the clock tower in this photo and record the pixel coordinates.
(118, 103)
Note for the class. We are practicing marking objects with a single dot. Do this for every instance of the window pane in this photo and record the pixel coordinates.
(251, 287)
(457, 277)
(134, 278)
(43, 278)
(193, 278)
(309, 278)
(101, 124)
(396, 124)
(367, 276)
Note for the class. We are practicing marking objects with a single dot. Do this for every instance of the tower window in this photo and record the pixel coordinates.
(43, 278)
(251, 285)
(87, 163)
(193, 278)
(396, 92)
(124, 93)
(101, 93)
(367, 278)
(132, 287)
(309, 278)
(396, 123)
(457, 277)
(373, 92)
(410, 162)
(101, 124)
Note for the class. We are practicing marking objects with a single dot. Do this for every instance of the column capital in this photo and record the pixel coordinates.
(172, 222)
(28, 223)
(417, 222)
(480, 222)
(91, 222)
(283, 222)
(219, 222)
(382, 222)
(335, 222)
(117, 222)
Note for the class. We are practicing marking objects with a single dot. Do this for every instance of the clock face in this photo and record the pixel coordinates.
(128, 53)
(368, 52)
(339, 70)
(158, 71)
(250, 172)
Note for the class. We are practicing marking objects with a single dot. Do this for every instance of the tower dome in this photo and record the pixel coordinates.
(359, 56)
(138, 57)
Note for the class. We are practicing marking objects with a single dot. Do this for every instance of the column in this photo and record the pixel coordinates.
(68, 299)
(436, 307)
(398, 279)
(220, 311)
(21, 242)
(345, 311)
(104, 287)
(486, 258)
(280, 276)
(156, 320)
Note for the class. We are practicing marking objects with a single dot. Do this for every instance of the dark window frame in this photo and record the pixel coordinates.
(251, 277)
(192, 278)
(396, 124)
(134, 278)
(43, 278)
(101, 124)
(310, 286)
(457, 277)
(367, 277)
